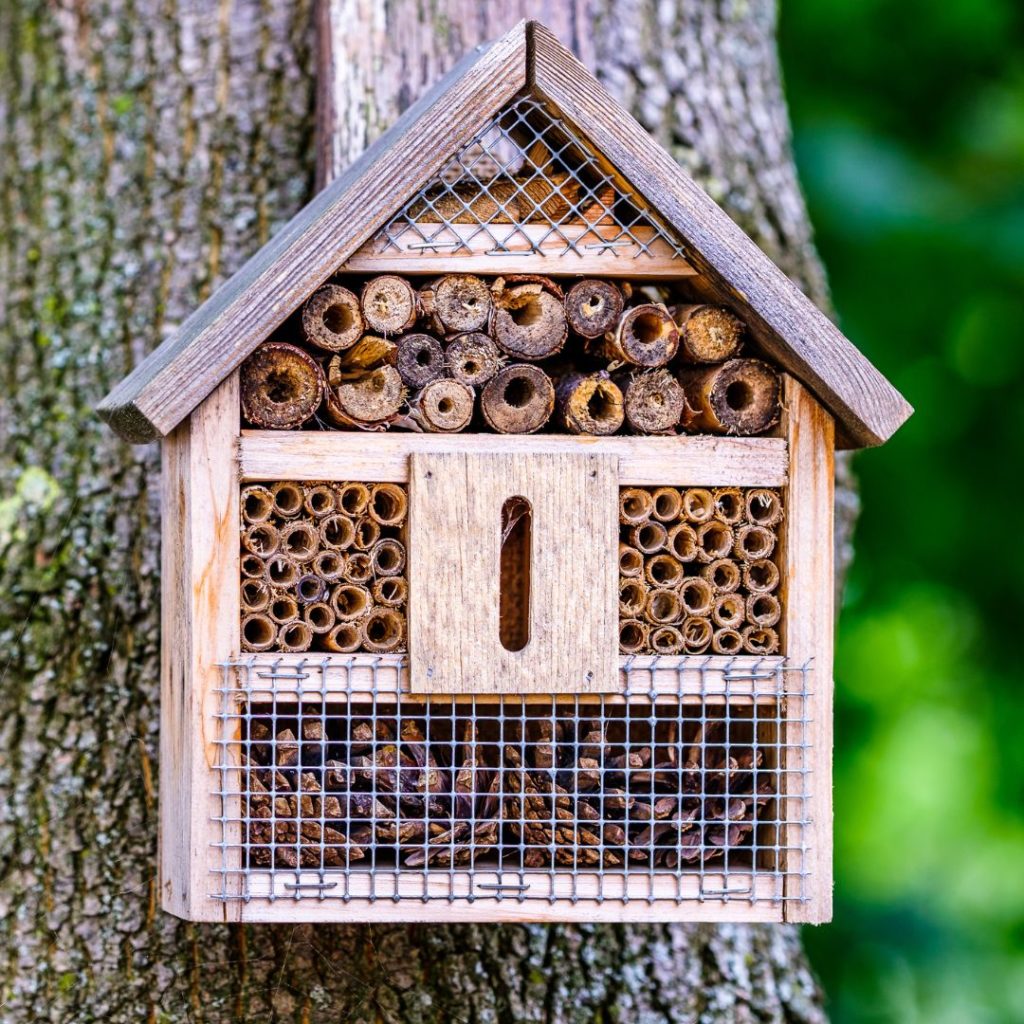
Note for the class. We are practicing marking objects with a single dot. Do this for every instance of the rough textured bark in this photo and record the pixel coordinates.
(148, 148)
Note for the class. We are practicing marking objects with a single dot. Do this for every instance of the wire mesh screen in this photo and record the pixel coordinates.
(329, 788)
(526, 184)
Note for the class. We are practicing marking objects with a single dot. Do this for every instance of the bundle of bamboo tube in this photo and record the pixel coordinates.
(513, 354)
(696, 570)
(323, 567)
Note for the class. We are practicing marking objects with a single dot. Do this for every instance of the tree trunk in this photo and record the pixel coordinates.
(148, 149)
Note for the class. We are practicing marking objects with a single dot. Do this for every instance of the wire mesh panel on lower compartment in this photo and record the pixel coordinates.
(335, 789)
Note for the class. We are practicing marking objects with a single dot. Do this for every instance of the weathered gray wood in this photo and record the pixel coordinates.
(787, 324)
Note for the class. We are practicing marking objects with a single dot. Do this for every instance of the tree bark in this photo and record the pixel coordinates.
(148, 149)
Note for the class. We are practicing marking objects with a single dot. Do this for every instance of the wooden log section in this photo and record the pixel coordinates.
(654, 402)
(472, 358)
(388, 304)
(645, 335)
(281, 386)
(420, 360)
(456, 303)
(593, 307)
(332, 319)
(443, 406)
(528, 321)
(741, 397)
(707, 334)
(518, 400)
(368, 402)
(589, 404)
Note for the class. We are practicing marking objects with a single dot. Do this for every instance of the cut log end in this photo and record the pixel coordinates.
(281, 387)
(593, 308)
(420, 360)
(388, 304)
(707, 334)
(646, 335)
(528, 322)
(473, 359)
(458, 303)
(740, 397)
(590, 404)
(332, 318)
(444, 406)
(371, 400)
(653, 402)
(518, 400)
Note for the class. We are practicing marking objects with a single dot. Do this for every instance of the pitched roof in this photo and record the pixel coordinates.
(162, 390)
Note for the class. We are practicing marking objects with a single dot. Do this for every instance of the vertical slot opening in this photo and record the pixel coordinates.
(514, 589)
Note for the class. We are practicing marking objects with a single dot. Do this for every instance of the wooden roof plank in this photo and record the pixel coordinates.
(218, 336)
(788, 326)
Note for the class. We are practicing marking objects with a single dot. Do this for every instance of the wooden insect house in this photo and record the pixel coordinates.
(497, 537)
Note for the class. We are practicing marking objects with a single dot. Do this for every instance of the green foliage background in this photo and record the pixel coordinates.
(909, 128)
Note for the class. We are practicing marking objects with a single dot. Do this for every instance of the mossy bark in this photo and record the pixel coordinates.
(148, 148)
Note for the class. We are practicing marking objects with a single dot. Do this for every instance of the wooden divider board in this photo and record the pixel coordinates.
(455, 503)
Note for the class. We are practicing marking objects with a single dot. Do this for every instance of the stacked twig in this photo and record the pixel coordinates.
(513, 354)
(452, 789)
(323, 567)
(696, 570)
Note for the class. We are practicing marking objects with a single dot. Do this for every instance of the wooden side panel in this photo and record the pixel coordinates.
(455, 508)
(199, 619)
(808, 627)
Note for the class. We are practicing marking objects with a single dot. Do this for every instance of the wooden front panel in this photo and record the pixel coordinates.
(455, 573)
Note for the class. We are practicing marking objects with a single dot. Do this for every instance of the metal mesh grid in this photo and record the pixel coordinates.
(526, 184)
(329, 788)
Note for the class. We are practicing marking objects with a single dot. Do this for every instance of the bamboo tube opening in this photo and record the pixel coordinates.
(631, 562)
(310, 588)
(300, 541)
(337, 532)
(255, 595)
(635, 505)
(696, 595)
(714, 541)
(646, 336)
(282, 572)
(329, 565)
(353, 498)
(761, 575)
(388, 557)
(698, 504)
(668, 504)
(632, 598)
(754, 542)
(387, 504)
(649, 537)
(664, 571)
(632, 636)
(726, 641)
(294, 637)
(257, 504)
(319, 500)
(391, 591)
(764, 507)
(319, 617)
(729, 610)
(283, 608)
(367, 534)
(763, 609)
(664, 606)
(262, 539)
(288, 499)
(667, 640)
(258, 632)
(358, 568)
(697, 634)
(723, 574)
(350, 601)
(343, 638)
(682, 542)
(729, 505)
(760, 640)
(383, 630)
(253, 566)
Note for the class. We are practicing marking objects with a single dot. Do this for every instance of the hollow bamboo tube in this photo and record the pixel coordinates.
(593, 307)
(282, 571)
(288, 498)
(729, 504)
(707, 334)
(261, 539)
(388, 304)
(753, 542)
(280, 386)
(294, 637)
(456, 303)
(319, 500)
(649, 537)
(253, 566)
(310, 589)
(644, 336)
(668, 504)
(300, 540)
(391, 591)
(589, 404)
(714, 541)
(254, 595)
(635, 505)
(764, 507)
(344, 638)
(682, 542)
(358, 568)
(664, 571)
(697, 634)
(696, 595)
(383, 630)
(723, 574)
(631, 561)
(369, 401)
(283, 608)
(353, 498)
(761, 576)
(663, 606)
(518, 399)
(387, 504)
(258, 632)
(420, 359)
(698, 504)
(472, 358)
(760, 640)
(319, 616)
(329, 565)
(726, 641)
(729, 611)
(632, 598)
(257, 504)
(653, 402)
(443, 406)
(350, 601)
(632, 636)
(528, 322)
(763, 609)
(332, 319)
(666, 640)
(740, 397)
(337, 532)
(387, 557)
(367, 534)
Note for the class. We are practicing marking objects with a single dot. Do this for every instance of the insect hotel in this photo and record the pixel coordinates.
(497, 537)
